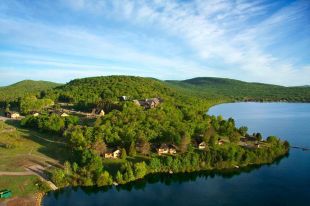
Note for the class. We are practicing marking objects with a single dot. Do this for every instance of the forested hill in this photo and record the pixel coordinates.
(211, 87)
(19, 89)
(93, 89)
(86, 93)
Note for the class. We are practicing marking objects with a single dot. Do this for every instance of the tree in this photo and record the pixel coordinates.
(67, 168)
(58, 177)
(132, 149)
(213, 140)
(7, 106)
(243, 130)
(128, 175)
(286, 144)
(104, 179)
(75, 167)
(144, 146)
(259, 136)
(123, 154)
(119, 177)
(272, 139)
(140, 169)
(30, 103)
(155, 164)
(100, 147)
(185, 140)
(234, 138)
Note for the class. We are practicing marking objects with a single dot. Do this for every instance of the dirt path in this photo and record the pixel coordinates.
(48, 140)
(37, 170)
(16, 173)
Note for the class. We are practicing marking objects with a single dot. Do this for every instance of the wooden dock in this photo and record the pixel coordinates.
(302, 148)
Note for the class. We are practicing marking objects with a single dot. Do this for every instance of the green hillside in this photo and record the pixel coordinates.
(160, 134)
(211, 87)
(94, 88)
(176, 122)
(87, 92)
(20, 89)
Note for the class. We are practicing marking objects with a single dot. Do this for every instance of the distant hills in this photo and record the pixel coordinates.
(92, 89)
(212, 87)
(19, 89)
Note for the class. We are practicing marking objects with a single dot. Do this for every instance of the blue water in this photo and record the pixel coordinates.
(285, 182)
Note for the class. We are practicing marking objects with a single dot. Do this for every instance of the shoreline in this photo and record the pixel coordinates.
(235, 168)
(40, 196)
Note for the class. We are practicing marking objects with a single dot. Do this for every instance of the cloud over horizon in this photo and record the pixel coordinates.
(261, 41)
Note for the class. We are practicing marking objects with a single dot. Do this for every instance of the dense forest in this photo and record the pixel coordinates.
(177, 120)
(235, 90)
(10, 94)
(88, 93)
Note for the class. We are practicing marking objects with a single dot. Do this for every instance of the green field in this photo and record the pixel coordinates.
(22, 147)
(22, 185)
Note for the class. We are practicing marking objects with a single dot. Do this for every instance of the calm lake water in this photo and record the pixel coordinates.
(285, 182)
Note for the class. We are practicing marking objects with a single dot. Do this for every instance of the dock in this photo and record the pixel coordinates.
(302, 148)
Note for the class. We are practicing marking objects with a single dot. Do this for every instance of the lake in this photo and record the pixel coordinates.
(285, 182)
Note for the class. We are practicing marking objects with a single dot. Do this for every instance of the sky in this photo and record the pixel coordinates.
(60, 40)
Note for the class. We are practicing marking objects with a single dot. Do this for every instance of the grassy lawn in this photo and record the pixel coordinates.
(21, 185)
(21, 147)
(113, 165)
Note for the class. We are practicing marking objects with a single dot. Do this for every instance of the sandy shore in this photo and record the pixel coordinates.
(34, 200)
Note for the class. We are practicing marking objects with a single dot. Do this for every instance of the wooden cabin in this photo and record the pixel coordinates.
(148, 103)
(123, 98)
(172, 150)
(100, 113)
(220, 142)
(202, 145)
(12, 115)
(165, 149)
(34, 113)
(113, 154)
(64, 114)
(95, 113)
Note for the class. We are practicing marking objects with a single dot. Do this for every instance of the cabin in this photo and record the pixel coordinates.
(172, 150)
(220, 142)
(202, 145)
(113, 154)
(34, 113)
(152, 103)
(12, 115)
(123, 98)
(5, 193)
(100, 113)
(164, 149)
(136, 102)
(148, 103)
(63, 114)
(96, 113)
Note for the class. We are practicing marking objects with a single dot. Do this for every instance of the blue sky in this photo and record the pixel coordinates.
(262, 41)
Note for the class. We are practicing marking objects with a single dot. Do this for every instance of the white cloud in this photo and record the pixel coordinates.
(218, 37)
